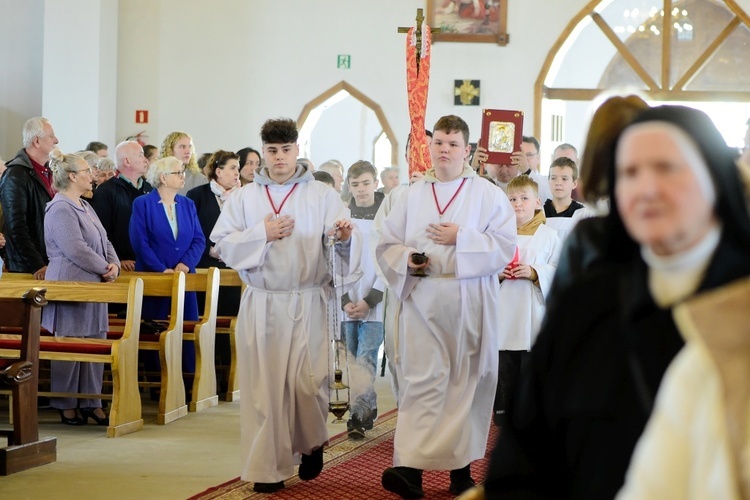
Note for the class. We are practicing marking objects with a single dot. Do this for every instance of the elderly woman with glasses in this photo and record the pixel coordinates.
(78, 250)
(165, 232)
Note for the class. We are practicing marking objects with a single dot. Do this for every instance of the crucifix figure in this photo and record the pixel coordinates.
(418, 42)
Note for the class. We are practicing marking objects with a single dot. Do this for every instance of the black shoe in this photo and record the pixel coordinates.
(368, 424)
(461, 480)
(311, 465)
(354, 428)
(77, 420)
(403, 481)
(268, 487)
(356, 433)
(88, 413)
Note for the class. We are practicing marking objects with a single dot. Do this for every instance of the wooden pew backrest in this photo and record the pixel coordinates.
(172, 405)
(122, 354)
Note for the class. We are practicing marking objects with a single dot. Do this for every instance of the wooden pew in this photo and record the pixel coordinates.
(122, 354)
(17, 276)
(227, 325)
(172, 404)
(203, 334)
(25, 450)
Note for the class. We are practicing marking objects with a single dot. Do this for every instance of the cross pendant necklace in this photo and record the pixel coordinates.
(276, 211)
(441, 211)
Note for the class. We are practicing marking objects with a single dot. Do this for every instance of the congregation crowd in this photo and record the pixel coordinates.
(596, 319)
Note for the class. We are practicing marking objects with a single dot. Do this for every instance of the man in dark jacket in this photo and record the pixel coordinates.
(25, 190)
(113, 199)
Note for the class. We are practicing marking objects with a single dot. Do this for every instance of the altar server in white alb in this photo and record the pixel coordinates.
(524, 287)
(447, 339)
(273, 231)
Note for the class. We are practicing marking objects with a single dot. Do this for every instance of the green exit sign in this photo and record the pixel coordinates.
(344, 61)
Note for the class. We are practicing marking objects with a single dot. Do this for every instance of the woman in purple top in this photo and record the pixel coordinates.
(78, 250)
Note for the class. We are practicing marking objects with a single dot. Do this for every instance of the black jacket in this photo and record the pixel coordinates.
(24, 197)
(208, 213)
(113, 203)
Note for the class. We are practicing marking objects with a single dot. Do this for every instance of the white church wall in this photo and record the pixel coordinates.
(219, 69)
(21, 48)
(80, 78)
(286, 55)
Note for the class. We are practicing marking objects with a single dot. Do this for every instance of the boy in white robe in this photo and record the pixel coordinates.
(525, 283)
(391, 303)
(446, 339)
(560, 209)
(273, 232)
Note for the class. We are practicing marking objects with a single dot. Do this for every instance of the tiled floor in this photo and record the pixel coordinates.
(174, 461)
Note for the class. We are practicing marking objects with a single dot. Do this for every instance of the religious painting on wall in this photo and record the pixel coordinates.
(466, 92)
(469, 20)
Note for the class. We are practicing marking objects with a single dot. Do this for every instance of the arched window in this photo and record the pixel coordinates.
(692, 51)
(354, 120)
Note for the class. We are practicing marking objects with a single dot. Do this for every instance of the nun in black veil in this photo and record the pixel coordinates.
(678, 227)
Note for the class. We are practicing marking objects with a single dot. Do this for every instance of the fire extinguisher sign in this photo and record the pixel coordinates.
(141, 116)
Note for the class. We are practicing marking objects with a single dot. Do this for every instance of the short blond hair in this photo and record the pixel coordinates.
(522, 182)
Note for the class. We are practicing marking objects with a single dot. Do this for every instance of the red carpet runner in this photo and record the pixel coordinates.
(352, 472)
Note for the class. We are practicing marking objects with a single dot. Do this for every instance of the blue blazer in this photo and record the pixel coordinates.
(156, 249)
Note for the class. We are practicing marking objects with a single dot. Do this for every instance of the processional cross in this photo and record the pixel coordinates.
(418, 43)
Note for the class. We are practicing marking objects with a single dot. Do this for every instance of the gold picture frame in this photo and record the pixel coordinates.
(483, 21)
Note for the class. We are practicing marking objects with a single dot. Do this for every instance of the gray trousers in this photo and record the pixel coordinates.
(74, 376)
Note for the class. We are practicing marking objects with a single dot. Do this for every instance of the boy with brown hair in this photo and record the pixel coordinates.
(270, 233)
(563, 179)
(560, 210)
(362, 322)
(524, 285)
(446, 339)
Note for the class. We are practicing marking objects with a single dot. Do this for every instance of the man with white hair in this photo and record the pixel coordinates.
(389, 179)
(336, 169)
(113, 199)
(25, 190)
(566, 150)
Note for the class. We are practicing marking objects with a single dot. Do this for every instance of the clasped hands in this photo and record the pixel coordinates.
(356, 311)
(178, 268)
(518, 271)
(112, 272)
